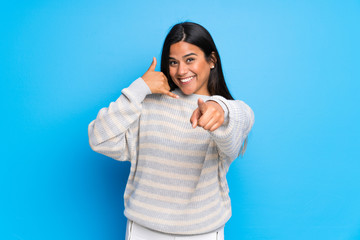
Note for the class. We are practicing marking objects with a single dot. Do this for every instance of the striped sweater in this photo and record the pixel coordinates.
(177, 182)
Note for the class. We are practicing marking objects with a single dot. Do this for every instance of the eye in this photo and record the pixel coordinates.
(172, 62)
(189, 60)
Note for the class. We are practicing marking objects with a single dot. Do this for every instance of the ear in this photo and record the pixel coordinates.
(213, 59)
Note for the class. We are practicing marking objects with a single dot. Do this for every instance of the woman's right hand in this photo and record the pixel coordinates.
(157, 81)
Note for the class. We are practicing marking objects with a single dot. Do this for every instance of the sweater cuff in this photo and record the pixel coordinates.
(221, 101)
(138, 90)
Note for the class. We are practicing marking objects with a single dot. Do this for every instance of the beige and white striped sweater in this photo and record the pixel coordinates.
(177, 182)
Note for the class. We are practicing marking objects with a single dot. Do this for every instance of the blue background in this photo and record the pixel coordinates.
(296, 63)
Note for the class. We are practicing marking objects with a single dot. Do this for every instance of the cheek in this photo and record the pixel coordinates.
(172, 72)
(204, 72)
(203, 69)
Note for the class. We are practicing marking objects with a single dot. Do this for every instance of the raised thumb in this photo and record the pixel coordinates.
(153, 65)
(202, 105)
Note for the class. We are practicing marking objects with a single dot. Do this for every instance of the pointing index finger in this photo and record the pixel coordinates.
(195, 117)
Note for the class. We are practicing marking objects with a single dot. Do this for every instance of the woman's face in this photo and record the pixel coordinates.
(189, 69)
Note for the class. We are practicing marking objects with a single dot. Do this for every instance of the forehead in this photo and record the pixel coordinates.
(180, 49)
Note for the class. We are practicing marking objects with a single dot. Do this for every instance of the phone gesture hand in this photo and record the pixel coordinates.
(157, 81)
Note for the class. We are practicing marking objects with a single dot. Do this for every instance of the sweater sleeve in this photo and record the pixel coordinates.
(114, 132)
(239, 119)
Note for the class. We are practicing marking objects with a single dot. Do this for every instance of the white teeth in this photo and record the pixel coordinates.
(186, 79)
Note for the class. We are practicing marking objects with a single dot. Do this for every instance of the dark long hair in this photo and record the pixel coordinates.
(197, 35)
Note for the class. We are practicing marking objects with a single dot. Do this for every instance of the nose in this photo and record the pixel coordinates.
(182, 69)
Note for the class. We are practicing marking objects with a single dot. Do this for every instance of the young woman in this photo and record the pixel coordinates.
(180, 129)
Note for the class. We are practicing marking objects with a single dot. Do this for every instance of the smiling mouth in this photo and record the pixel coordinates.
(186, 80)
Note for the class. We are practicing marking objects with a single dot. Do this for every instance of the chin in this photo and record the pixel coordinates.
(187, 91)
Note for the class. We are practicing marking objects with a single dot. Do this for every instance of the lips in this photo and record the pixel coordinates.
(186, 80)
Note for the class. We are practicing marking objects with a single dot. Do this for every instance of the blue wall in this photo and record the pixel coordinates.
(296, 63)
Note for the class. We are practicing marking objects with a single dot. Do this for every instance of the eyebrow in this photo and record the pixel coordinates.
(185, 55)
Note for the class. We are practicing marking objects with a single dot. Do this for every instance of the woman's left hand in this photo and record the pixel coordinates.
(209, 115)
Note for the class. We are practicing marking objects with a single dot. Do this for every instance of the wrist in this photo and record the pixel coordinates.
(146, 81)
